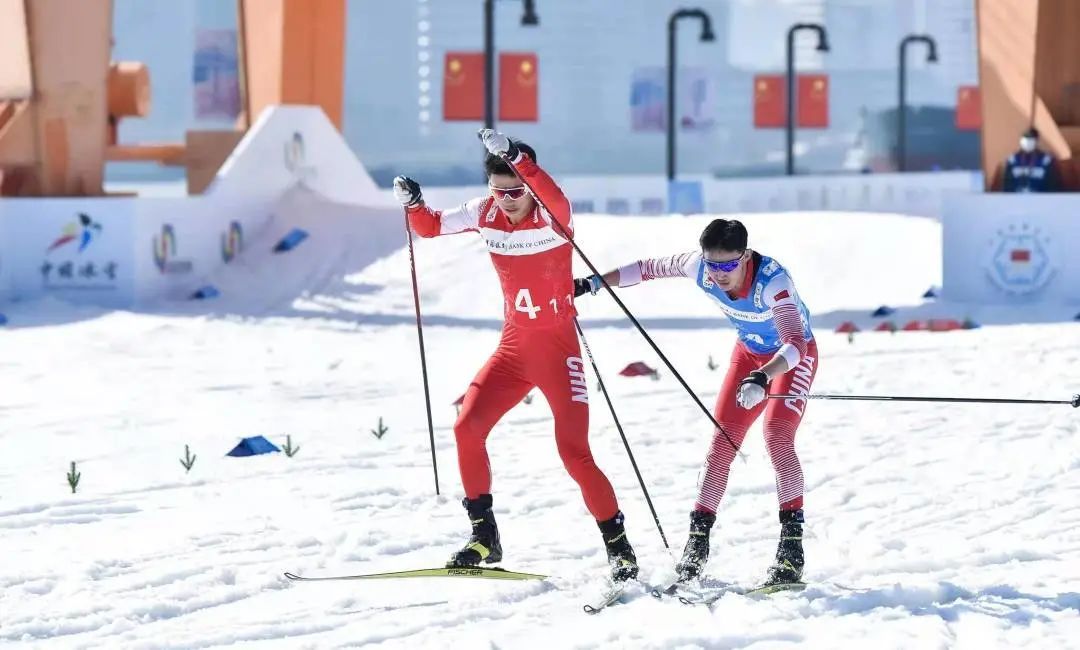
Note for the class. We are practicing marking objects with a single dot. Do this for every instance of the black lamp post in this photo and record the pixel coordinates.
(706, 36)
(822, 46)
(529, 18)
(901, 108)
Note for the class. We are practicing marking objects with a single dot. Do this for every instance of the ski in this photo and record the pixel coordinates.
(671, 589)
(692, 586)
(491, 573)
(765, 590)
(620, 592)
(710, 596)
(607, 597)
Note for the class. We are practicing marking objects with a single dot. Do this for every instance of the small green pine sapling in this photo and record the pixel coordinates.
(73, 477)
(289, 450)
(188, 460)
(381, 431)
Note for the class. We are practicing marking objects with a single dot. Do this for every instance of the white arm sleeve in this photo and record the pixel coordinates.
(779, 296)
(464, 217)
(684, 265)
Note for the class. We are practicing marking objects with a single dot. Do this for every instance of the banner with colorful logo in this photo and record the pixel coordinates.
(76, 249)
(1012, 248)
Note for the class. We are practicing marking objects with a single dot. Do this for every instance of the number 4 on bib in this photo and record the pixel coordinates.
(524, 303)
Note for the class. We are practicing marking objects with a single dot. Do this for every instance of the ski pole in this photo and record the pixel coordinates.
(423, 358)
(618, 426)
(1074, 402)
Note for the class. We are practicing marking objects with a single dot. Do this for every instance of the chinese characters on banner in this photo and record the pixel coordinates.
(70, 274)
(695, 99)
(215, 75)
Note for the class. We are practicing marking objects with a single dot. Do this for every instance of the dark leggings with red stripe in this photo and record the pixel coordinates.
(782, 418)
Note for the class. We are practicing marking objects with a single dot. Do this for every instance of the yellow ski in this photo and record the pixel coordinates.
(491, 573)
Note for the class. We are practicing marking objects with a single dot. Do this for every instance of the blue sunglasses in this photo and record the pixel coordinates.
(727, 266)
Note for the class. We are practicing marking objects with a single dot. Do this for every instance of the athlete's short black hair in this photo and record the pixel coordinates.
(724, 235)
(496, 165)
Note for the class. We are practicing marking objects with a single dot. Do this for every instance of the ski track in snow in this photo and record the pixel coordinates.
(928, 525)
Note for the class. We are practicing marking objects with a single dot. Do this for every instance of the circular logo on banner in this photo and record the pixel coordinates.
(1018, 259)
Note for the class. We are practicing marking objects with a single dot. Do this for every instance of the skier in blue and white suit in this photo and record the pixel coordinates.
(775, 345)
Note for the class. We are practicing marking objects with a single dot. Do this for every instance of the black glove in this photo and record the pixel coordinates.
(407, 191)
(589, 285)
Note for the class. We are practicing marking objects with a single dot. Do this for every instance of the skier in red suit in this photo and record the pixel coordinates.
(539, 345)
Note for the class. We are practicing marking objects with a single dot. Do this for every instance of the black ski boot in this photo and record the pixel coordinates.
(789, 553)
(696, 553)
(484, 543)
(620, 554)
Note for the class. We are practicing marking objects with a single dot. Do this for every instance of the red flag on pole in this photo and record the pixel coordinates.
(812, 91)
(519, 87)
(463, 86)
(770, 108)
(968, 108)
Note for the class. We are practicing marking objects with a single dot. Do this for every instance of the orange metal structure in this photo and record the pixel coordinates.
(1029, 75)
(61, 97)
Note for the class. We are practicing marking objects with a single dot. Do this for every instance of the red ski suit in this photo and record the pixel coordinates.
(539, 345)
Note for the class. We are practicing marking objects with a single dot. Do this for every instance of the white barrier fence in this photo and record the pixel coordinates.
(118, 252)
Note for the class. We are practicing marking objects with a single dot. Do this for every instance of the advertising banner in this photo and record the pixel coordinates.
(695, 99)
(1012, 248)
(75, 249)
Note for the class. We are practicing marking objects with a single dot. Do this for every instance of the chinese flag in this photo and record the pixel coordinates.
(812, 91)
(463, 86)
(770, 108)
(968, 108)
(519, 94)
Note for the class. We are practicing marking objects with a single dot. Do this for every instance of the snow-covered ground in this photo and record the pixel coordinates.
(952, 526)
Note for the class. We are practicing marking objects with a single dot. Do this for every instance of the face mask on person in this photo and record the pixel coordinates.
(1027, 144)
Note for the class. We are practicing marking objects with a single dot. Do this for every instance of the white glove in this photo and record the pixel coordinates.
(498, 144)
(751, 390)
(407, 191)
